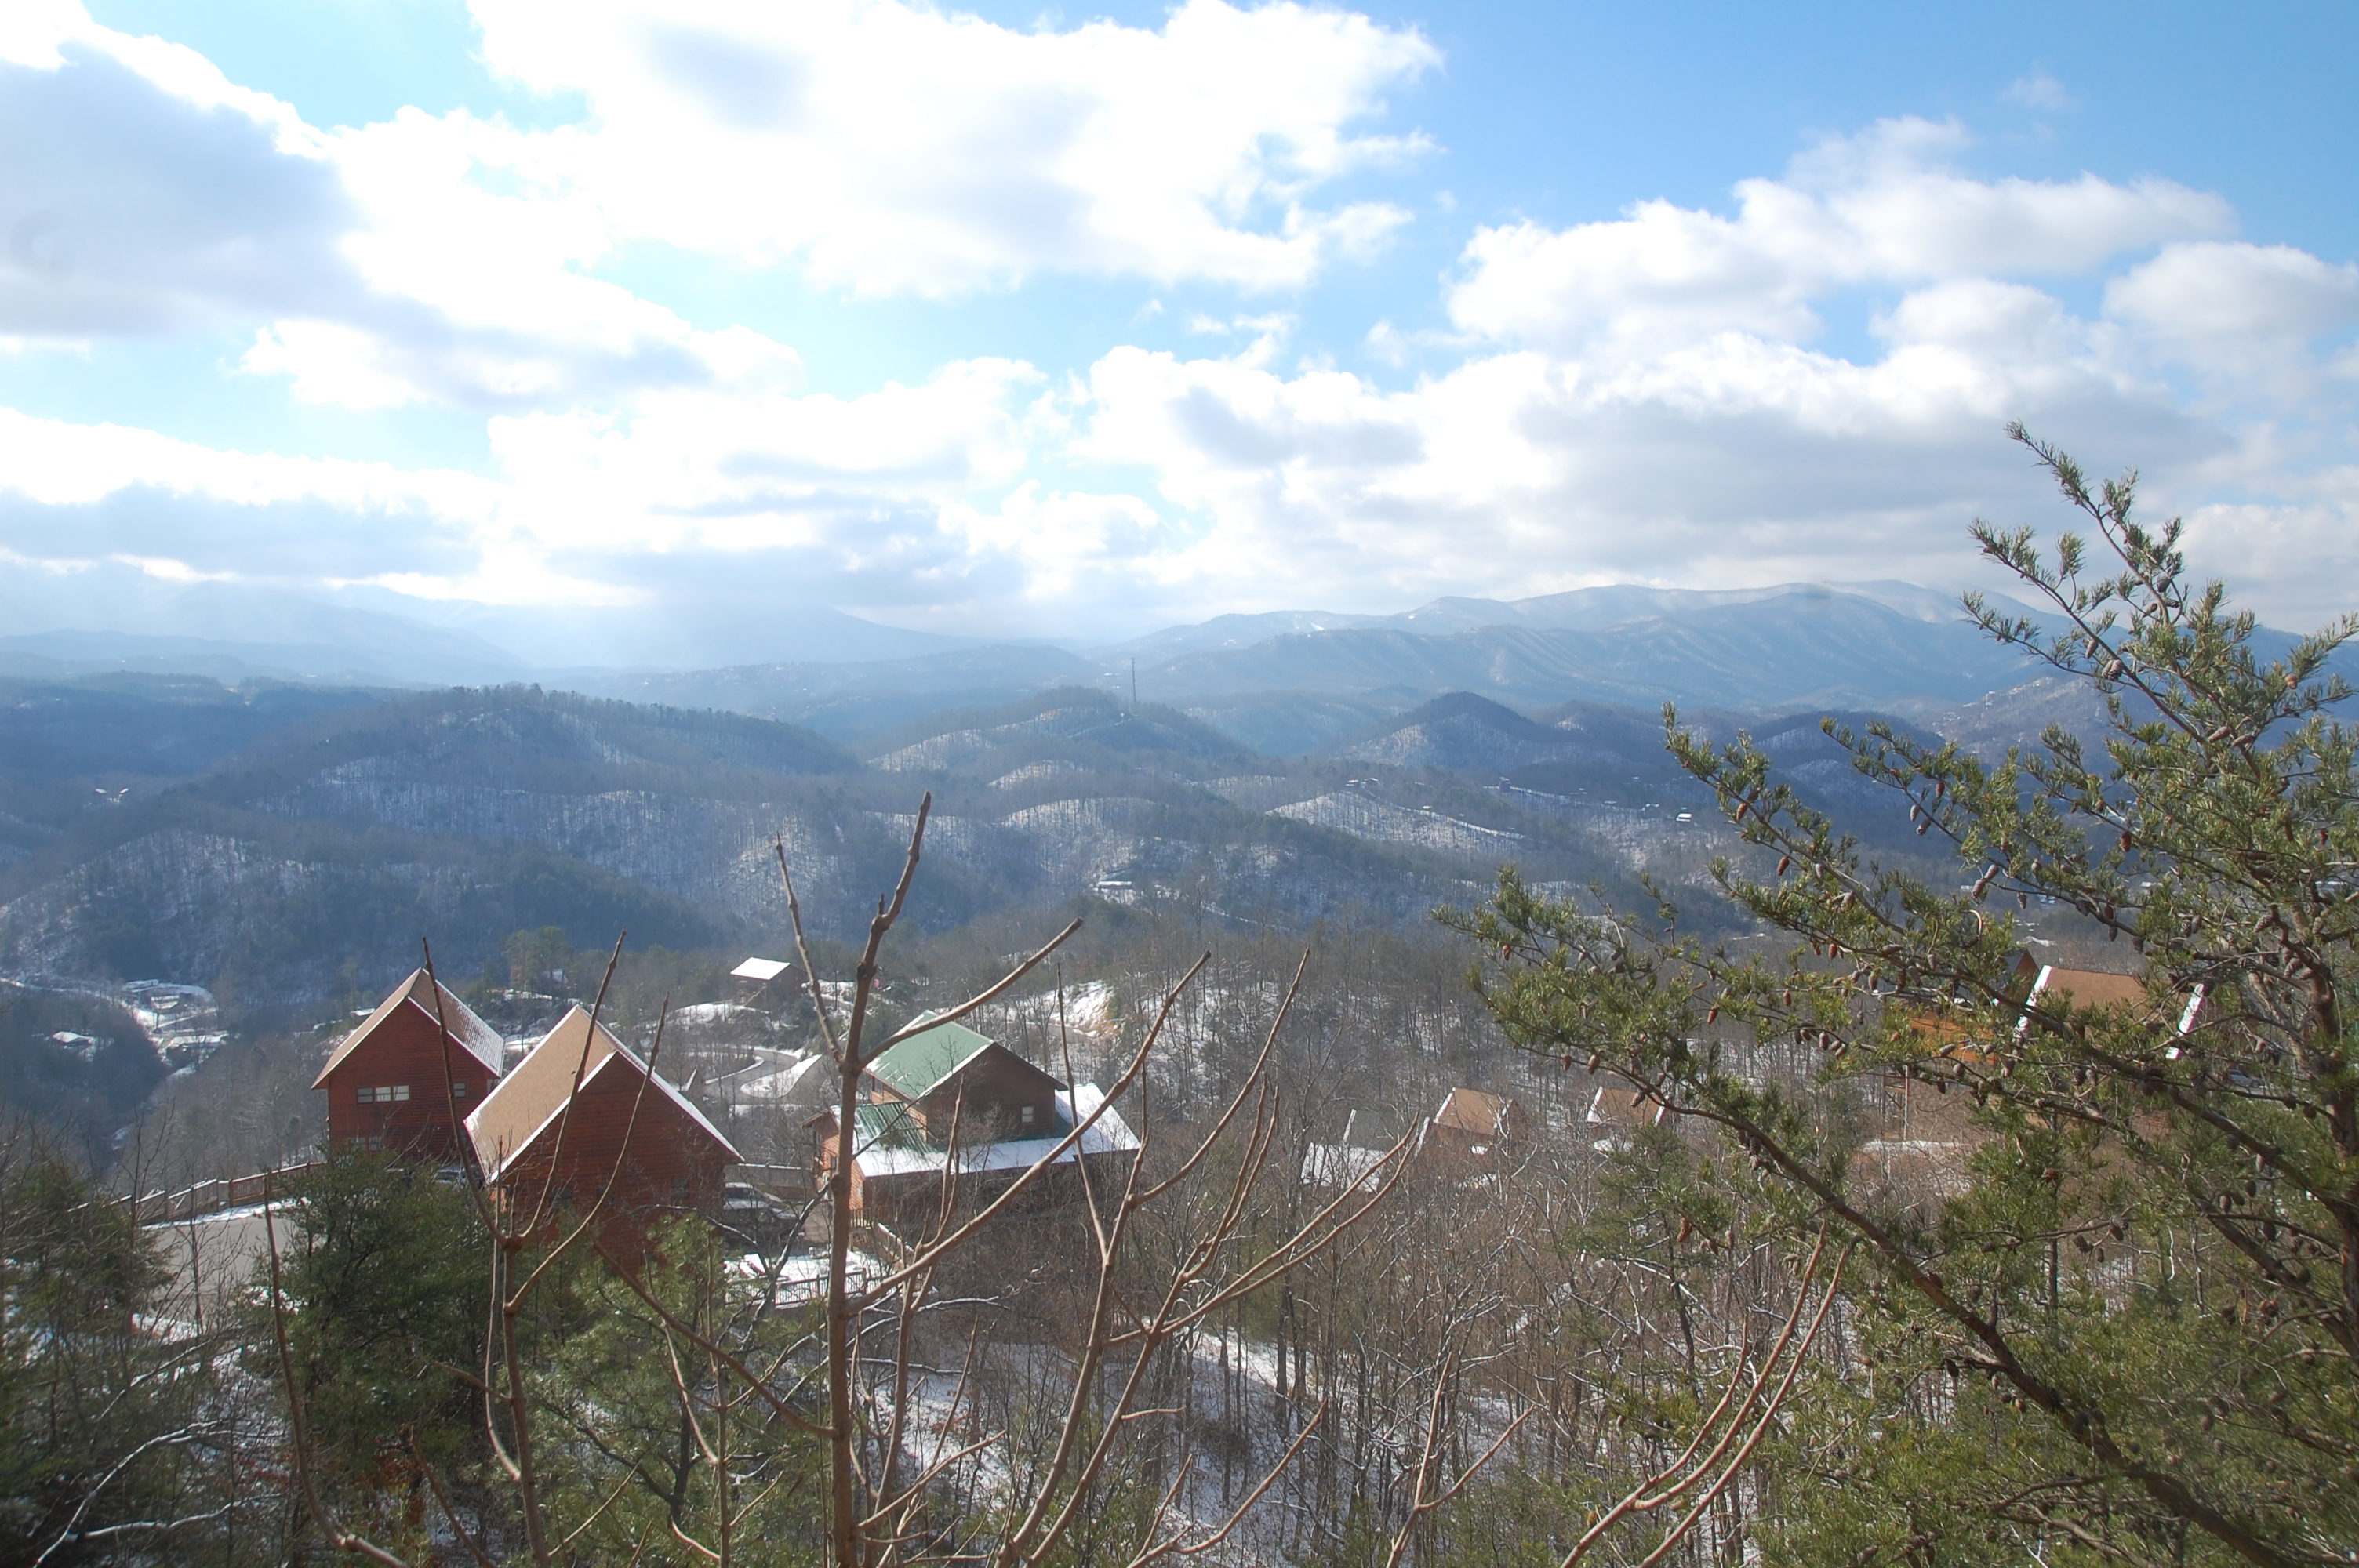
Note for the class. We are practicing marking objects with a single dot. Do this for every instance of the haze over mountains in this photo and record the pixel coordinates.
(282, 819)
(1283, 680)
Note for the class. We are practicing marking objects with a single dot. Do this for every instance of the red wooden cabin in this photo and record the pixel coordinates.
(672, 1163)
(387, 1083)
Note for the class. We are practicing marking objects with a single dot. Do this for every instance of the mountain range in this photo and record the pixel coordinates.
(1283, 683)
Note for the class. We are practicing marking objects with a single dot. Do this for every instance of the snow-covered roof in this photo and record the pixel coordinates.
(762, 969)
(1344, 1166)
(885, 1156)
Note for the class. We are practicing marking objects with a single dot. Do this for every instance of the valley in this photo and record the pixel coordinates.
(284, 846)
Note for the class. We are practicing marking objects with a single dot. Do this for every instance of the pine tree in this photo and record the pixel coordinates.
(2131, 1331)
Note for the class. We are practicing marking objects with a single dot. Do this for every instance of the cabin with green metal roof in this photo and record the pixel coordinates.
(950, 1074)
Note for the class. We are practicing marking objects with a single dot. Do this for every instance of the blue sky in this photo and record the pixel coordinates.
(1024, 322)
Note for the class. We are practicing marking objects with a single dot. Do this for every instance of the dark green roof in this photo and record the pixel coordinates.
(925, 1061)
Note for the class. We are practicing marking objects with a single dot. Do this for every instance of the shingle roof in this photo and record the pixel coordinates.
(928, 1059)
(478, 1039)
(1615, 1105)
(530, 1099)
(1472, 1110)
(2089, 987)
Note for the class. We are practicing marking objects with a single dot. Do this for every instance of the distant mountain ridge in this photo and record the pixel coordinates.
(1291, 682)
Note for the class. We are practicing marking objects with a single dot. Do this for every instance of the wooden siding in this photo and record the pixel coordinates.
(997, 1086)
(672, 1165)
(404, 1049)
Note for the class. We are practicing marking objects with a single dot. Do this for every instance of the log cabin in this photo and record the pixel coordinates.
(669, 1159)
(392, 1086)
(950, 1108)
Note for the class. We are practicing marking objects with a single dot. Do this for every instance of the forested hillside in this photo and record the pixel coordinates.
(286, 847)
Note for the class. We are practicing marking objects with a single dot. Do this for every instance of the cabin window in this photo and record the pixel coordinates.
(459, 1088)
(384, 1094)
(680, 1189)
(1030, 1113)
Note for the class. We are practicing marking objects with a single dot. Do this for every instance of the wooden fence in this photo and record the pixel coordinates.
(160, 1207)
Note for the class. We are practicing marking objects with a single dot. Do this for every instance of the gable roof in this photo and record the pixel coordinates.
(478, 1039)
(2089, 987)
(2097, 988)
(886, 1141)
(529, 1099)
(1472, 1110)
(928, 1059)
(1618, 1106)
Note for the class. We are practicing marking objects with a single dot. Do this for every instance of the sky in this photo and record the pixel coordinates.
(1010, 322)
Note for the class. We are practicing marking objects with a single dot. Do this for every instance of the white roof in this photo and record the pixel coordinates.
(1342, 1165)
(1109, 1135)
(792, 1080)
(761, 969)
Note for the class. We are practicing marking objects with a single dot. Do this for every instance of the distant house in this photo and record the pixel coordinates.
(1926, 1135)
(1472, 1124)
(2056, 986)
(670, 1160)
(950, 1073)
(788, 1081)
(949, 1105)
(385, 1082)
(1356, 1160)
(1462, 1136)
(1616, 1114)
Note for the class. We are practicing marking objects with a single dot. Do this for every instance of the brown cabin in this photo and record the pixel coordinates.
(950, 1072)
(2057, 988)
(385, 1083)
(1617, 1114)
(670, 1160)
(1472, 1124)
(948, 1104)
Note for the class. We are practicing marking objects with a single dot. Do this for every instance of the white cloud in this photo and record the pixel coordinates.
(145, 193)
(896, 148)
(2217, 294)
(1648, 397)
(1641, 400)
(2037, 90)
(1875, 208)
(1730, 460)
(878, 147)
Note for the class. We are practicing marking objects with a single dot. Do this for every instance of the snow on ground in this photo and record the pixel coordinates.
(803, 1278)
(1382, 822)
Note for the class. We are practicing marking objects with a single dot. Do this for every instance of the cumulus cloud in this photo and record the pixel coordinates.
(1880, 207)
(135, 208)
(1648, 397)
(76, 496)
(147, 195)
(2243, 318)
(1640, 398)
(896, 148)
(878, 147)
(1728, 462)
